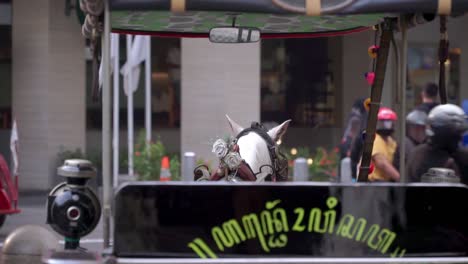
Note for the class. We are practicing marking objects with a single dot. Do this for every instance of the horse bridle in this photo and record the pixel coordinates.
(278, 160)
(244, 172)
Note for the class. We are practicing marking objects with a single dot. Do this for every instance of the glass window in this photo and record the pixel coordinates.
(297, 82)
(423, 68)
(5, 76)
(165, 83)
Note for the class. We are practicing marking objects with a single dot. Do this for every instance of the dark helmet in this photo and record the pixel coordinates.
(416, 117)
(386, 119)
(447, 120)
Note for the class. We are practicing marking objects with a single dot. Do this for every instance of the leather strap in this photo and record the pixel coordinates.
(313, 7)
(444, 7)
(178, 5)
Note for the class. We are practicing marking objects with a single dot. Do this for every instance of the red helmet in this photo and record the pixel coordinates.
(386, 113)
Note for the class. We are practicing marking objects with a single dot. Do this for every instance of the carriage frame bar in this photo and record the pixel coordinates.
(108, 191)
(437, 260)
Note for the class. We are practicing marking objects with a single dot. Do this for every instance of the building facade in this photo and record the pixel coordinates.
(46, 86)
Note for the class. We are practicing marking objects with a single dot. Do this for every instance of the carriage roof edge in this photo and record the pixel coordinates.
(389, 9)
(274, 18)
(346, 7)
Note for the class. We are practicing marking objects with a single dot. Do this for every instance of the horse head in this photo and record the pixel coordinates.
(253, 148)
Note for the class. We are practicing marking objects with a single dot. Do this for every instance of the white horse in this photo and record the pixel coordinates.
(254, 149)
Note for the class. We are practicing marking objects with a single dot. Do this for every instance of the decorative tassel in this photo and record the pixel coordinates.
(370, 77)
(373, 51)
(367, 104)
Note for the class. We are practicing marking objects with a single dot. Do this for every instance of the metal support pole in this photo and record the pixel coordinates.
(106, 129)
(443, 56)
(376, 96)
(403, 74)
(115, 45)
(148, 124)
(130, 107)
(286, 260)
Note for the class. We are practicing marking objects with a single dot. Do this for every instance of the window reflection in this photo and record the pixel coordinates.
(5, 76)
(165, 83)
(297, 82)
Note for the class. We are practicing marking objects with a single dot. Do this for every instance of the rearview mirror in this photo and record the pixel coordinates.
(234, 35)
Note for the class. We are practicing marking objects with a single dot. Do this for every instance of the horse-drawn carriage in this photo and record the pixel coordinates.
(251, 222)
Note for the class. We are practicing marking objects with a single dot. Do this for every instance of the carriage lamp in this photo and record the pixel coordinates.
(73, 209)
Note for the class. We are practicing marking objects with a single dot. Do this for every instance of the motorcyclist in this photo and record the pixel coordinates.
(384, 147)
(415, 134)
(429, 98)
(351, 143)
(446, 126)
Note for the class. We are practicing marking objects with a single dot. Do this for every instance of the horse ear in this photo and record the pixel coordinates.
(277, 132)
(236, 128)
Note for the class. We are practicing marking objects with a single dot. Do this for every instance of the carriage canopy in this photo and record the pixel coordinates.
(275, 18)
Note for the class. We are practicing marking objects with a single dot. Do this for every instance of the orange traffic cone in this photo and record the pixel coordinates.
(165, 174)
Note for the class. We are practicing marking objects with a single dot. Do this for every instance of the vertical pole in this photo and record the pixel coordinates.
(130, 107)
(376, 98)
(403, 80)
(148, 124)
(443, 56)
(106, 129)
(115, 44)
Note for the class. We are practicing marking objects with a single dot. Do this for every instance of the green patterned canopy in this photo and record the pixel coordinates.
(202, 22)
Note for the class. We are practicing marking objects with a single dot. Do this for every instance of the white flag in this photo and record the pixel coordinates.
(14, 147)
(113, 52)
(138, 55)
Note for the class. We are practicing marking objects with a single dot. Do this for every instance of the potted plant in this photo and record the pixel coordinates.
(147, 160)
(323, 164)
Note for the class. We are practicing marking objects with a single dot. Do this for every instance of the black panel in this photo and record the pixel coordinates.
(175, 220)
(266, 6)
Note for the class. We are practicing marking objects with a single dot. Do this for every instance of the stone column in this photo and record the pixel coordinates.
(48, 87)
(217, 79)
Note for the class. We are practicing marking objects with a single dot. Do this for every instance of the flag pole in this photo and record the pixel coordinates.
(130, 108)
(148, 124)
(106, 129)
(115, 47)
(403, 84)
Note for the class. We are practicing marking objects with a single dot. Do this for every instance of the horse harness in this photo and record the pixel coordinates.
(244, 172)
(278, 160)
